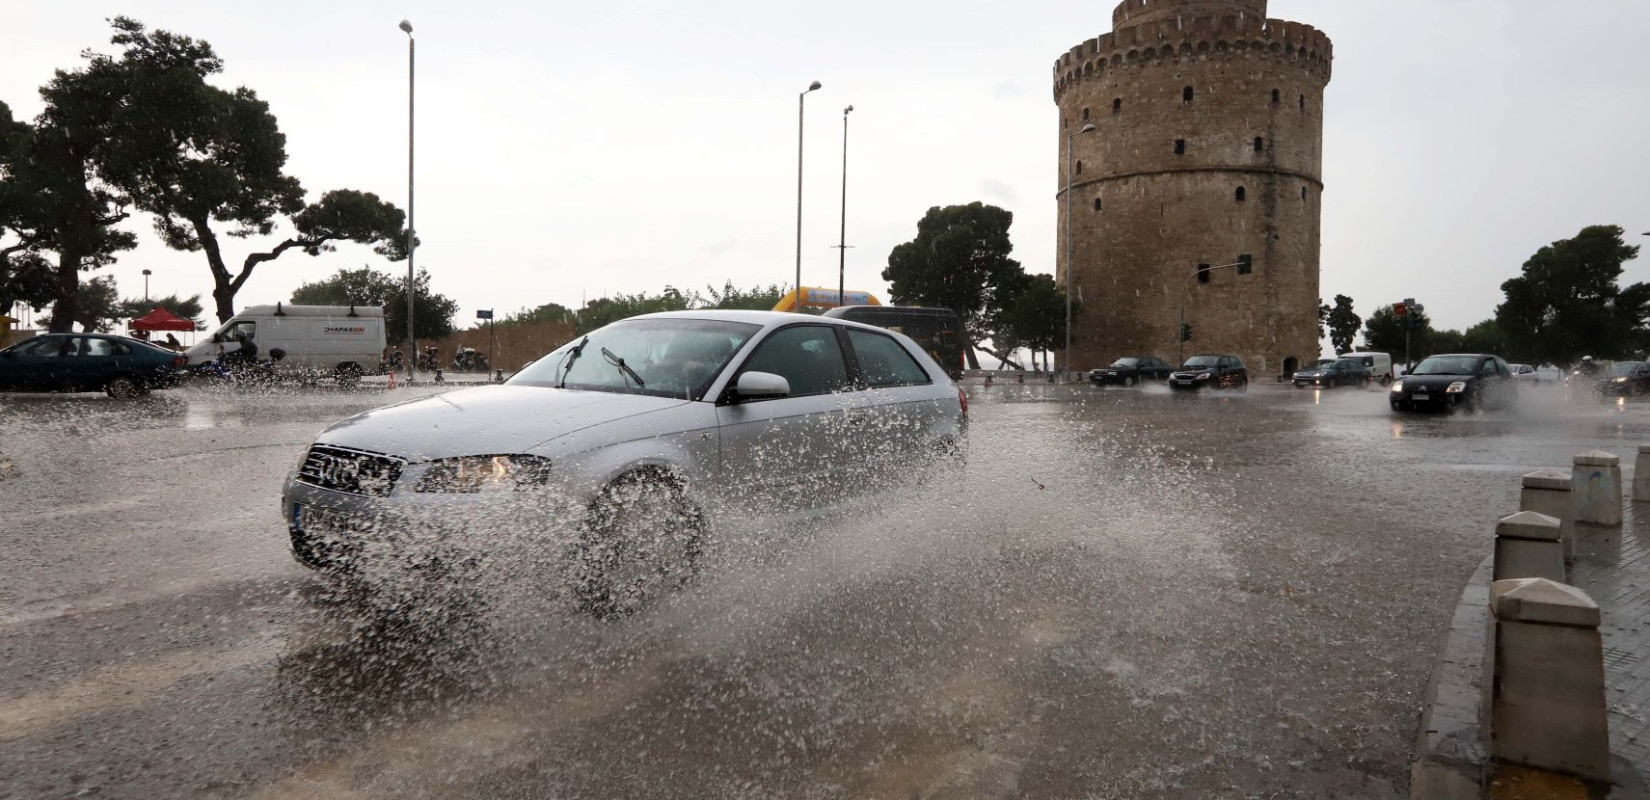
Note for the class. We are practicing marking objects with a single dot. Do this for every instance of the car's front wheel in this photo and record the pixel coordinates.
(641, 538)
(1130, 381)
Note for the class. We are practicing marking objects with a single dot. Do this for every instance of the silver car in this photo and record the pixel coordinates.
(633, 435)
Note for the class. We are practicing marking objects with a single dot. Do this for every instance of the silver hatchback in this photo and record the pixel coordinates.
(632, 435)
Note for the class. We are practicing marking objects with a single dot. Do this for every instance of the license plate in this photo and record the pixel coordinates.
(307, 519)
(1184, 383)
(1420, 397)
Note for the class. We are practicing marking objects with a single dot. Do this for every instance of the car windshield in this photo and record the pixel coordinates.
(1447, 365)
(664, 357)
(1202, 361)
(1625, 367)
(1126, 362)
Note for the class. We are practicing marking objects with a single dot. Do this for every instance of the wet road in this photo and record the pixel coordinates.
(1123, 594)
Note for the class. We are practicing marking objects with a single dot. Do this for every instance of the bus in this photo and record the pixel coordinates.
(936, 330)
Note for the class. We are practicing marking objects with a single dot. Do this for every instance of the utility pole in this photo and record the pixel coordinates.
(412, 238)
(842, 243)
(800, 105)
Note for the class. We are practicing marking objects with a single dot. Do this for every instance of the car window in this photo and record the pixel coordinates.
(45, 347)
(90, 347)
(884, 362)
(807, 356)
(122, 350)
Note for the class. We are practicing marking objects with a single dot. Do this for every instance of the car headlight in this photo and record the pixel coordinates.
(1619, 380)
(1456, 387)
(472, 474)
(1203, 377)
(1398, 386)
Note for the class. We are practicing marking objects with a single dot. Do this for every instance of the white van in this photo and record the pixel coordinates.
(1378, 364)
(347, 340)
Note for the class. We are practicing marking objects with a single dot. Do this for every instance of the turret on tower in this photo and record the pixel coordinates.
(1208, 147)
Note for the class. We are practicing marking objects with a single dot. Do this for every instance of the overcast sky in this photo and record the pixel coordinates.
(569, 149)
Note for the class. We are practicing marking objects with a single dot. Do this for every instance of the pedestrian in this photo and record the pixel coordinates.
(172, 342)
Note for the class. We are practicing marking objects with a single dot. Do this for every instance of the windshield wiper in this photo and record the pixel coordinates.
(623, 368)
(567, 360)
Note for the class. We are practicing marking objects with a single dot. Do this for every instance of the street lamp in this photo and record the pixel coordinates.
(146, 286)
(842, 244)
(812, 87)
(1071, 169)
(406, 27)
(1180, 333)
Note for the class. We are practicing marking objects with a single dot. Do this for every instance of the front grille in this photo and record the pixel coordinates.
(353, 471)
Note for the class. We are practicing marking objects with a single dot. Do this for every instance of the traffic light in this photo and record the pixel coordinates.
(1185, 331)
(1246, 264)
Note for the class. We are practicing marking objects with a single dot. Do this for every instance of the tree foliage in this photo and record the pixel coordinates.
(756, 298)
(205, 160)
(187, 307)
(1384, 332)
(96, 308)
(1343, 324)
(959, 260)
(1567, 302)
(368, 287)
(1035, 317)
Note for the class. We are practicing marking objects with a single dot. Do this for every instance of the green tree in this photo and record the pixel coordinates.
(368, 287)
(187, 307)
(1343, 324)
(1567, 302)
(549, 312)
(756, 298)
(199, 157)
(1035, 317)
(607, 310)
(1384, 332)
(53, 206)
(960, 260)
(96, 308)
(1323, 318)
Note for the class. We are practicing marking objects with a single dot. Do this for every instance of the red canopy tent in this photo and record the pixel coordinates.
(161, 320)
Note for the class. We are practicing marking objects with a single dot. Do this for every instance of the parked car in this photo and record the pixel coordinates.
(1466, 382)
(1332, 372)
(640, 429)
(1131, 370)
(87, 362)
(1379, 366)
(1210, 371)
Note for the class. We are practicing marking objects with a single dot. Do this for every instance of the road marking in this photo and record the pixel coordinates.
(122, 687)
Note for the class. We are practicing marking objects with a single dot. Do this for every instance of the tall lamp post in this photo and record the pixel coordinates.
(800, 103)
(1071, 170)
(842, 243)
(406, 27)
(1180, 335)
(146, 286)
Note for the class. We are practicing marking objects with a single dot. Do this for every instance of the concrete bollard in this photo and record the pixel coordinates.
(1528, 545)
(1595, 484)
(1641, 475)
(1546, 693)
(1548, 492)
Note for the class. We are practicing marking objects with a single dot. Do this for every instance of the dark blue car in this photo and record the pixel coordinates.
(87, 362)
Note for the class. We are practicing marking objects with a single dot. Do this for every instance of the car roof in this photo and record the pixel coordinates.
(767, 319)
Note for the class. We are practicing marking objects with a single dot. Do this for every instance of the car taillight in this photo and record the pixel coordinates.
(179, 361)
(962, 400)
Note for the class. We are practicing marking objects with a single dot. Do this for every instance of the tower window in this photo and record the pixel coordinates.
(1260, 144)
(1096, 204)
(1303, 102)
(1079, 168)
(1085, 115)
(1246, 264)
(1180, 147)
(1186, 95)
(1277, 97)
(1303, 194)
(1242, 194)
(1117, 106)
(1203, 273)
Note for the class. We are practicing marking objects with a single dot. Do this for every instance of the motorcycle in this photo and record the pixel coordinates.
(429, 361)
(226, 370)
(468, 360)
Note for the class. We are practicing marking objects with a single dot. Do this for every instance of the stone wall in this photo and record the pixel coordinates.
(1208, 145)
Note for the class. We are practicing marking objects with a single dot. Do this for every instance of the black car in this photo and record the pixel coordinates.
(1623, 379)
(1469, 382)
(1131, 370)
(87, 362)
(1333, 372)
(1212, 371)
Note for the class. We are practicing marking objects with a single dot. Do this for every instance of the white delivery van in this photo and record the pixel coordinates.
(346, 340)
(1378, 364)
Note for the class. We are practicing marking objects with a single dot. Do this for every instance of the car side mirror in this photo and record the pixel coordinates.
(217, 338)
(761, 386)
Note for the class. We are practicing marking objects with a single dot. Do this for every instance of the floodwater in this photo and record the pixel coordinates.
(1120, 594)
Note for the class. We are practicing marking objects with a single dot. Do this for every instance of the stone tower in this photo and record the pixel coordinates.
(1208, 146)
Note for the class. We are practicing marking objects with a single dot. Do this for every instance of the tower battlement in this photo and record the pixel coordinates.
(1176, 38)
(1135, 12)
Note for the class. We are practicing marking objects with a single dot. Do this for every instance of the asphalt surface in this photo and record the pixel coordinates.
(1123, 594)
